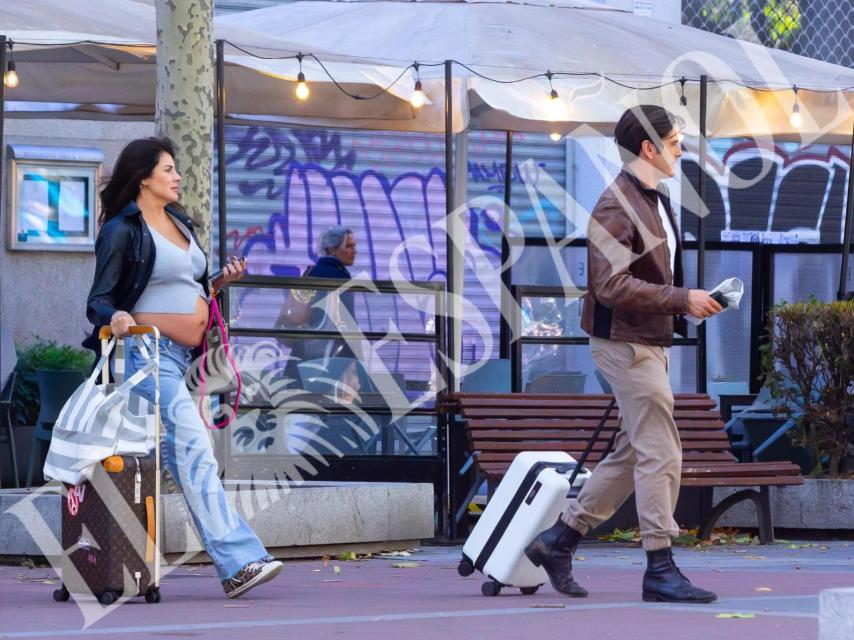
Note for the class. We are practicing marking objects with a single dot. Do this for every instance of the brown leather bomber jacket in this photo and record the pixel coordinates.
(629, 292)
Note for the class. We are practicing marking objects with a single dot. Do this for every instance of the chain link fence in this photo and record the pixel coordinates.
(821, 29)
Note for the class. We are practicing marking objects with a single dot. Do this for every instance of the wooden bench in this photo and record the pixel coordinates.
(498, 426)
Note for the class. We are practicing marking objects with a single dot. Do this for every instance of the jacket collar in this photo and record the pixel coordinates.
(331, 261)
(661, 190)
(132, 209)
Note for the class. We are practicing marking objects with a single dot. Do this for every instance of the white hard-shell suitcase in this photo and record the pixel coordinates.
(530, 498)
(532, 495)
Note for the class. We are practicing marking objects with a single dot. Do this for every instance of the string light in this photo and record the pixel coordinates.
(682, 99)
(555, 107)
(796, 120)
(10, 77)
(418, 98)
(553, 93)
(302, 91)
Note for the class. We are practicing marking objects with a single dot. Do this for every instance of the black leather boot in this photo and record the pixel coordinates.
(663, 582)
(552, 550)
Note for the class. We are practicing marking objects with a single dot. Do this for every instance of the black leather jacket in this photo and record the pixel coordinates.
(124, 259)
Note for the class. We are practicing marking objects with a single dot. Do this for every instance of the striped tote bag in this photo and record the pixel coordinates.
(101, 420)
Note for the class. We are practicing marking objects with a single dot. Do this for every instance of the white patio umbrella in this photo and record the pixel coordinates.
(96, 60)
(619, 59)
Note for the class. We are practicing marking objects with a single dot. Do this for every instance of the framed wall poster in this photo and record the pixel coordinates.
(53, 197)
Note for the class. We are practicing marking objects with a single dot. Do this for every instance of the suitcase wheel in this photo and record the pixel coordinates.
(490, 588)
(152, 596)
(107, 598)
(465, 568)
(61, 594)
(528, 591)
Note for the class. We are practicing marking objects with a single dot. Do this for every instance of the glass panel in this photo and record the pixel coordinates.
(683, 369)
(797, 276)
(552, 317)
(570, 369)
(558, 369)
(312, 438)
(399, 375)
(545, 266)
(260, 308)
(728, 335)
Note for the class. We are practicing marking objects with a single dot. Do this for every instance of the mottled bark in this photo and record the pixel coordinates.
(185, 108)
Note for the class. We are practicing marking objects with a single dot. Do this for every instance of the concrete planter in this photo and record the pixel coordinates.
(302, 520)
(826, 504)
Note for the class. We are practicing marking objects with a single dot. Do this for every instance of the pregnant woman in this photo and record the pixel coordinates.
(150, 269)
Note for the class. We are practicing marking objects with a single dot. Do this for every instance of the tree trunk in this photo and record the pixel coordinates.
(184, 110)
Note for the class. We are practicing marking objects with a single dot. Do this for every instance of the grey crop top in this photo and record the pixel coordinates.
(173, 286)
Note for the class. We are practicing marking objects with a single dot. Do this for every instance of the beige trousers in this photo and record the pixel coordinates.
(647, 455)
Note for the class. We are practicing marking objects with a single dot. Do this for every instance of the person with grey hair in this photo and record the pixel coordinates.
(340, 243)
(337, 249)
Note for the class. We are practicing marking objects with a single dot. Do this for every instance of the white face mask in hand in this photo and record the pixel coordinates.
(728, 294)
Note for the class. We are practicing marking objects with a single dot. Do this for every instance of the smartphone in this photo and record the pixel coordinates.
(718, 297)
(218, 273)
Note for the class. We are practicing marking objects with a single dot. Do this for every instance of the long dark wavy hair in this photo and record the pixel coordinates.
(136, 162)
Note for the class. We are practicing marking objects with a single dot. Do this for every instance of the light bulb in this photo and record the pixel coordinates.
(796, 120)
(418, 98)
(553, 95)
(10, 78)
(555, 136)
(302, 88)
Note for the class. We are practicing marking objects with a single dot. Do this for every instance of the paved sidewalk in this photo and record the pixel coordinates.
(374, 599)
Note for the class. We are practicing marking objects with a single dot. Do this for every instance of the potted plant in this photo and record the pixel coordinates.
(47, 364)
(42, 355)
(809, 364)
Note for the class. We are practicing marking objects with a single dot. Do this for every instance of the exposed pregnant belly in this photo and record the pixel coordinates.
(185, 328)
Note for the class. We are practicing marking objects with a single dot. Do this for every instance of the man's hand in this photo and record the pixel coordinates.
(121, 322)
(701, 304)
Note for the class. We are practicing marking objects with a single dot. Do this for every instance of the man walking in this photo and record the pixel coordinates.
(634, 302)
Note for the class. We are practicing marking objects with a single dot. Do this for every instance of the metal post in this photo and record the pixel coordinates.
(3, 46)
(220, 164)
(846, 233)
(701, 233)
(220, 150)
(446, 513)
(450, 267)
(506, 274)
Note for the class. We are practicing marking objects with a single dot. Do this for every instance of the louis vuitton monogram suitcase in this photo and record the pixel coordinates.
(111, 523)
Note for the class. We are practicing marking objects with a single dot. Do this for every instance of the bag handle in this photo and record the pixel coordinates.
(216, 316)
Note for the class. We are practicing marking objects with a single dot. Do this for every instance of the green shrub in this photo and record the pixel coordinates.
(809, 364)
(42, 354)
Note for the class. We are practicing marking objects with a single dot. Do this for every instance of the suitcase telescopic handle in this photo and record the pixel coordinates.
(106, 333)
(583, 459)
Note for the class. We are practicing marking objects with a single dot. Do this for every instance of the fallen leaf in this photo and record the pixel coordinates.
(348, 555)
(325, 561)
(407, 565)
(336, 569)
(737, 616)
(763, 589)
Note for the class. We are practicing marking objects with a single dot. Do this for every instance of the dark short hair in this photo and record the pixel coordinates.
(644, 122)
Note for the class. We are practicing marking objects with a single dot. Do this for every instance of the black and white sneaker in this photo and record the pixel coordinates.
(250, 576)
